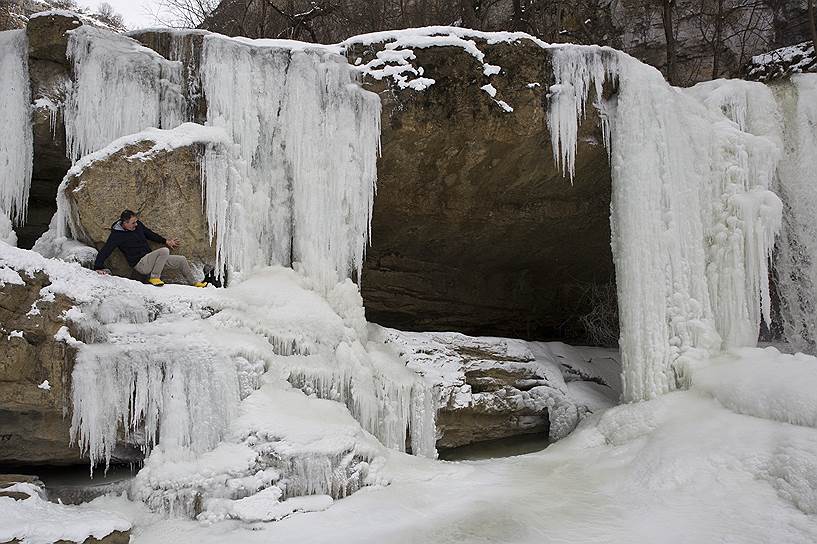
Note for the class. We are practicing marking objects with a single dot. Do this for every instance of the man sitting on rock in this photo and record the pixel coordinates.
(131, 237)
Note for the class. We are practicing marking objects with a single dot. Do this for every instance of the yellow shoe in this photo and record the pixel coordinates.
(156, 281)
(200, 284)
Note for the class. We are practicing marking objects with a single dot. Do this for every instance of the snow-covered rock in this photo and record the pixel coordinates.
(265, 383)
(156, 172)
(490, 388)
(32, 519)
(782, 62)
(420, 272)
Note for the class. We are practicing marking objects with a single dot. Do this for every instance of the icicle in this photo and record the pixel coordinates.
(308, 137)
(577, 72)
(692, 219)
(796, 263)
(388, 401)
(16, 145)
(186, 394)
(119, 88)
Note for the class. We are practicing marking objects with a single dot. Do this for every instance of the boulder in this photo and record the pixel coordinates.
(47, 38)
(35, 377)
(495, 388)
(32, 416)
(164, 187)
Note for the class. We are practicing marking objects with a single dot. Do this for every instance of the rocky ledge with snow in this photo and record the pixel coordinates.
(783, 62)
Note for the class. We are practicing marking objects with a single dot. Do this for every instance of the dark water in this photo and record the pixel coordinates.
(492, 449)
(74, 485)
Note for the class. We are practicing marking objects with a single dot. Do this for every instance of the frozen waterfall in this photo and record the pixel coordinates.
(119, 88)
(692, 218)
(16, 145)
(796, 263)
(309, 137)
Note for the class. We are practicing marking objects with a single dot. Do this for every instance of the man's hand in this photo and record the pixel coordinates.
(173, 243)
(103, 272)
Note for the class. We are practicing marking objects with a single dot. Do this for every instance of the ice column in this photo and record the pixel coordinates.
(119, 88)
(796, 264)
(692, 220)
(16, 144)
(187, 392)
(308, 136)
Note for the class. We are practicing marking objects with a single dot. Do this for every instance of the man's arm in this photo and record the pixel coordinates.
(104, 253)
(150, 235)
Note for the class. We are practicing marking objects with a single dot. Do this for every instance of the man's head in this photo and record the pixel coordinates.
(128, 220)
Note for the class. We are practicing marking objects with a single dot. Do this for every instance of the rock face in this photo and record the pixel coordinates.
(35, 376)
(50, 74)
(32, 417)
(475, 229)
(165, 189)
(493, 388)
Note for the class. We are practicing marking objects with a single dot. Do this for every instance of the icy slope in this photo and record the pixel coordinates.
(682, 468)
(181, 367)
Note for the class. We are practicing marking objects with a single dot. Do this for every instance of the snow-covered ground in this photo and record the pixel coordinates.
(732, 460)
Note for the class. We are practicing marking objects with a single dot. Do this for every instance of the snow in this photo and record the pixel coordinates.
(677, 469)
(14, 334)
(264, 506)
(55, 12)
(54, 244)
(548, 375)
(783, 62)
(10, 276)
(695, 167)
(37, 521)
(490, 89)
(45, 386)
(395, 60)
(796, 262)
(303, 187)
(16, 145)
(191, 373)
(119, 88)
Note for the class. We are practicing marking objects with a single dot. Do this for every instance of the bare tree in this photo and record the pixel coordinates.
(106, 14)
(183, 13)
(669, 34)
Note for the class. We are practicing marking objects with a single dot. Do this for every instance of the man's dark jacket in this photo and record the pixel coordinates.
(133, 243)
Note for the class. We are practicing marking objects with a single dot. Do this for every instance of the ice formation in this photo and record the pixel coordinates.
(16, 145)
(119, 88)
(494, 376)
(201, 376)
(693, 219)
(309, 137)
(35, 519)
(796, 263)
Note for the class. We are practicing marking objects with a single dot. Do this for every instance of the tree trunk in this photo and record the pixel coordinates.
(812, 21)
(520, 16)
(468, 14)
(669, 33)
(716, 41)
